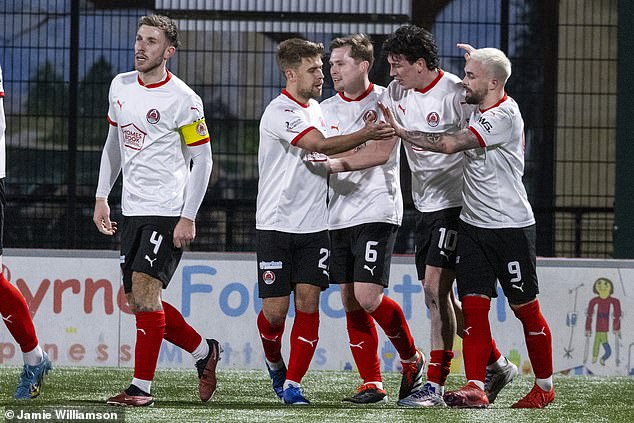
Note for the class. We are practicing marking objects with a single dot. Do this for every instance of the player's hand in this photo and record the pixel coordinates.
(101, 217)
(468, 48)
(184, 232)
(389, 118)
(378, 130)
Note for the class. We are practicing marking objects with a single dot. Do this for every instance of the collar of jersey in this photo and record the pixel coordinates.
(500, 101)
(361, 97)
(433, 83)
(287, 94)
(156, 84)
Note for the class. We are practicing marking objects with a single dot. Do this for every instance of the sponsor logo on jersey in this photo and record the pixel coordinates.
(270, 265)
(291, 125)
(153, 116)
(402, 108)
(485, 124)
(370, 116)
(268, 277)
(433, 119)
(133, 137)
(201, 129)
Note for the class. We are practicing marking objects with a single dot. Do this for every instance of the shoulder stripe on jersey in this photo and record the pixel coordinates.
(478, 136)
(111, 122)
(301, 134)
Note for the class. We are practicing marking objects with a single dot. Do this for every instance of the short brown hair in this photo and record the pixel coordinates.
(291, 52)
(361, 47)
(163, 23)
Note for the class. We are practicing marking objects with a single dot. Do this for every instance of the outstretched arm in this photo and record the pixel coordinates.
(374, 153)
(436, 142)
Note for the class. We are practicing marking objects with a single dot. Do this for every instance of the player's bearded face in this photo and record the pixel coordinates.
(310, 78)
(475, 82)
(150, 49)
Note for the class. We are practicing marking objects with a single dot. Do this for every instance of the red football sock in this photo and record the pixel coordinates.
(439, 366)
(150, 327)
(538, 339)
(476, 346)
(304, 337)
(16, 315)
(495, 353)
(364, 344)
(389, 316)
(178, 331)
(271, 337)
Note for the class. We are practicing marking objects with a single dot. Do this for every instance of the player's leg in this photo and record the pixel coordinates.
(476, 286)
(17, 318)
(150, 259)
(206, 352)
(435, 263)
(362, 334)
(364, 343)
(274, 287)
(373, 255)
(516, 270)
(309, 278)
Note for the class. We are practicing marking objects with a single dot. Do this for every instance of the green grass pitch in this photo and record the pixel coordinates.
(246, 396)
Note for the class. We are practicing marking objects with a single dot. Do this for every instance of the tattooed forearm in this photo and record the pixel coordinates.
(425, 140)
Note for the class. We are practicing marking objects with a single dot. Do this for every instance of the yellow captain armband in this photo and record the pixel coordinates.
(195, 133)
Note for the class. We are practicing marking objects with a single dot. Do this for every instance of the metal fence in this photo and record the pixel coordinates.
(59, 56)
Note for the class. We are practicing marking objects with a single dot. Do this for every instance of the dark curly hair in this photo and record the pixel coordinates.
(414, 43)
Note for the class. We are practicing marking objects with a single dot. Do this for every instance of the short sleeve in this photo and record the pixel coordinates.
(288, 123)
(492, 127)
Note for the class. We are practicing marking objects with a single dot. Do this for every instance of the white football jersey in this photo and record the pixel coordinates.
(3, 127)
(439, 107)
(371, 195)
(293, 182)
(156, 123)
(494, 195)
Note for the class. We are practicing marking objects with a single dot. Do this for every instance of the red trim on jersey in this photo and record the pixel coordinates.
(1, 93)
(433, 83)
(500, 101)
(301, 134)
(478, 136)
(111, 122)
(287, 94)
(156, 84)
(201, 142)
(361, 97)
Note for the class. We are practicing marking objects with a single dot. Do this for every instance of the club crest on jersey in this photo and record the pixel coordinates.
(268, 277)
(201, 129)
(133, 137)
(370, 116)
(153, 116)
(433, 119)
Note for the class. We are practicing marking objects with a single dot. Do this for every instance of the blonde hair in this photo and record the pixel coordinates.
(494, 61)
